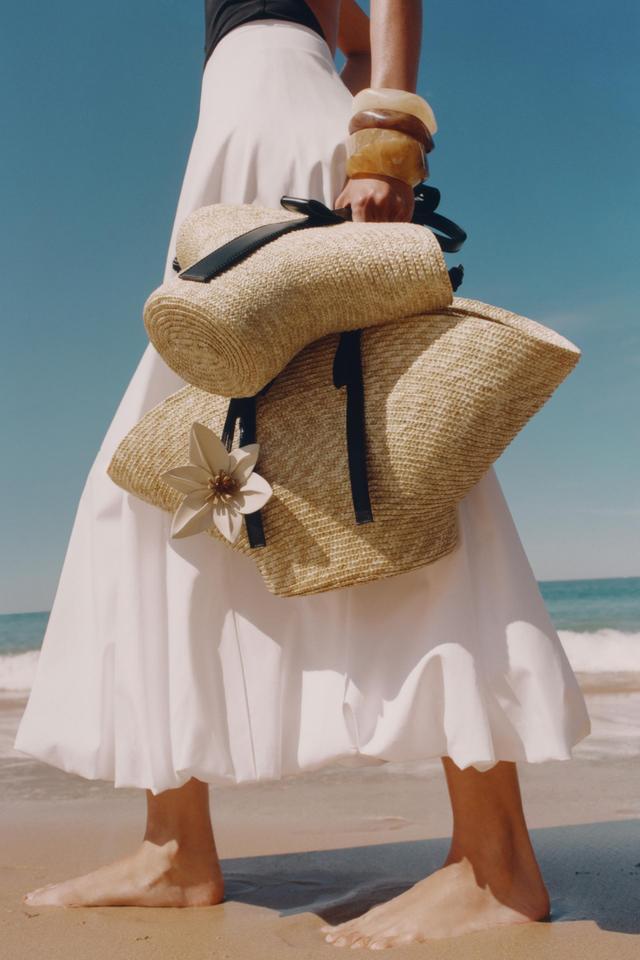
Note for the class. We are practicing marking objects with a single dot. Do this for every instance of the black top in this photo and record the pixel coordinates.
(221, 16)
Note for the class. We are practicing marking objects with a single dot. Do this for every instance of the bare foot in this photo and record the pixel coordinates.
(156, 875)
(454, 900)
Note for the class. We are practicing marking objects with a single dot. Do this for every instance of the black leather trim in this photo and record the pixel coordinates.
(347, 371)
(426, 200)
(316, 214)
(238, 248)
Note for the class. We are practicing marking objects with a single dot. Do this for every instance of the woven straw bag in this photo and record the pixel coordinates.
(444, 394)
(232, 334)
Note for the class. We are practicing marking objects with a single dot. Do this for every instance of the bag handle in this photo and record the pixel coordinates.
(317, 215)
(450, 238)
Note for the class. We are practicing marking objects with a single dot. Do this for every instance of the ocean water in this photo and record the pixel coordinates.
(598, 622)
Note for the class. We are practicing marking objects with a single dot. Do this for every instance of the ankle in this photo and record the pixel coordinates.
(505, 849)
(172, 849)
(180, 817)
(180, 865)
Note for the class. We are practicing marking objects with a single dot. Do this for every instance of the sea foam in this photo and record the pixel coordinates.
(607, 655)
(602, 651)
(17, 670)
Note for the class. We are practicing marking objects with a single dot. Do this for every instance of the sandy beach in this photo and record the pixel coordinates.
(324, 847)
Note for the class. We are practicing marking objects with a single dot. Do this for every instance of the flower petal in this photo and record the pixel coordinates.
(207, 450)
(187, 479)
(228, 520)
(242, 461)
(192, 516)
(253, 495)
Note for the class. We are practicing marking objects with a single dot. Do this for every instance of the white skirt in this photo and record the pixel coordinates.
(165, 660)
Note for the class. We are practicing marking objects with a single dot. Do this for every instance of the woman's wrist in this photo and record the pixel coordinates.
(390, 133)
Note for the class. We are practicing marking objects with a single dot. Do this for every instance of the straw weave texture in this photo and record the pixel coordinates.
(445, 393)
(232, 335)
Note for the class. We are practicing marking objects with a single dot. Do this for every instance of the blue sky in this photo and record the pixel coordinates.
(537, 156)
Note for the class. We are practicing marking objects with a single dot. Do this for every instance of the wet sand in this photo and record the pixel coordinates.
(324, 847)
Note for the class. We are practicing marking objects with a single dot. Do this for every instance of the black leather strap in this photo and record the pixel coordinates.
(426, 199)
(317, 215)
(347, 371)
(228, 254)
(244, 410)
(455, 276)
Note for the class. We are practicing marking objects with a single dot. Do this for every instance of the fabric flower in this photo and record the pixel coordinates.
(219, 486)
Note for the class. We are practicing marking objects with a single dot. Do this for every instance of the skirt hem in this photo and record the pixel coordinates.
(345, 760)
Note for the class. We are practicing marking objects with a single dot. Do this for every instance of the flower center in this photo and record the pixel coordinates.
(222, 485)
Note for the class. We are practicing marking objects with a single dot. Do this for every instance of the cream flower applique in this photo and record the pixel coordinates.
(220, 485)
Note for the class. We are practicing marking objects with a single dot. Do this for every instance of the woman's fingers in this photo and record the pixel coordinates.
(374, 204)
(377, 199)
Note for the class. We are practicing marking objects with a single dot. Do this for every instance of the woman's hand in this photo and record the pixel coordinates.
(377, 198)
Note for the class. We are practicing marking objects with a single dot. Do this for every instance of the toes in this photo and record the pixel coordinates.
(32, 896)
(359, 943)
(37, 898)
(340, 930)
(380, 944)
(32, 893)
(356, 938)
(346, 939)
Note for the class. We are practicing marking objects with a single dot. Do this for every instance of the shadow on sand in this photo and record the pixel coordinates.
(592, 872)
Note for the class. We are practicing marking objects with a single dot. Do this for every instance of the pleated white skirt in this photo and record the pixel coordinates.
(165, 659)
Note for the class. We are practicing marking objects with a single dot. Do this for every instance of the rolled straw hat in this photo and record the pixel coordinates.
(233, 334)
(445, 393)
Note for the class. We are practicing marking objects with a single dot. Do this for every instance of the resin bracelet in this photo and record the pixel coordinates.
(392, 120)
(389, 152)
(388, 98)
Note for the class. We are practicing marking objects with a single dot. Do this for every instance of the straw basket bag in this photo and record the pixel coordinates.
(240, 318)
(364, 481)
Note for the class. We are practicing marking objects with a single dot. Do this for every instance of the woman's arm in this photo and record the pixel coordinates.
(354, 41)
(395, 40)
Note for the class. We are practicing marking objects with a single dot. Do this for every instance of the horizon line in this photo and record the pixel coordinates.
(26, 613)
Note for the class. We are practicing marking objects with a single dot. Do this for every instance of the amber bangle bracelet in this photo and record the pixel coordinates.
(390, 98)
(389, 152)
(393, 120)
